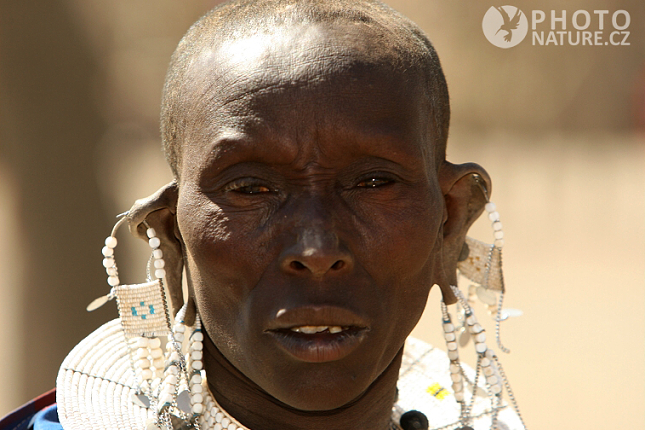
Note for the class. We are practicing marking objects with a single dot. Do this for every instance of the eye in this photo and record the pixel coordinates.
(249, 186)
(374, 182)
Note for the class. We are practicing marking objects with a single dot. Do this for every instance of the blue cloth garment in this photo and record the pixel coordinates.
(47, 419)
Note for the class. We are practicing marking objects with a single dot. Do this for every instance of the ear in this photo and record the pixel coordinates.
(465, 188)
(159, 212)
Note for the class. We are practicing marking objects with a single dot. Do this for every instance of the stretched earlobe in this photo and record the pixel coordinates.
(443, 280)
(159, 210)
(165, 198)
(465, 188)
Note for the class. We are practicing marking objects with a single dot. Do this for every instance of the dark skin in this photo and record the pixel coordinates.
(309, 197)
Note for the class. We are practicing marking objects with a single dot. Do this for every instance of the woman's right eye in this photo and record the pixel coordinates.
(248, 186)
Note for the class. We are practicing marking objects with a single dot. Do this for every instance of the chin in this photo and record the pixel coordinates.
(319, 387)
(326, 394)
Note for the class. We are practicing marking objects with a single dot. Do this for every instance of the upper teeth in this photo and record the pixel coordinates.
(311, 329)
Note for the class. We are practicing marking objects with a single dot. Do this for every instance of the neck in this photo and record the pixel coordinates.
(257, 410)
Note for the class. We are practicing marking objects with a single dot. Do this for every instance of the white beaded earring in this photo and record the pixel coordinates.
(143, 312)
(172, 385)
(482, 264)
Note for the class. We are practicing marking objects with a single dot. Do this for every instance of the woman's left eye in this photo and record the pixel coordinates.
(253, 189)
(374, 182)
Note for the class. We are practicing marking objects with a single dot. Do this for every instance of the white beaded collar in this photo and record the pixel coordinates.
(95, 385)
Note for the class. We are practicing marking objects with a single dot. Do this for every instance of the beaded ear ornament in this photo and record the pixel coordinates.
(480, 263)
(171, 384)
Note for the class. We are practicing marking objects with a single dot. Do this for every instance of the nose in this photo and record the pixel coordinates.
(317, 252)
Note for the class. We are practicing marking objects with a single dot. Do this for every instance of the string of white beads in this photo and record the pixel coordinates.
(156, 355)
(178, 335)
(108, 261)
(148, 358)
(157, 253)
(195, 368)
(169, 386)
(498, 233)
(174, 361)
(478, 334)
(215, 418)
(453, 354)
(493, 216)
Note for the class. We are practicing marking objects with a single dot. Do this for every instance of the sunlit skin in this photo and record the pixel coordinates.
(309, 196)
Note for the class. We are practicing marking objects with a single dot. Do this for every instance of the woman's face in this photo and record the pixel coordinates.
(310, 213)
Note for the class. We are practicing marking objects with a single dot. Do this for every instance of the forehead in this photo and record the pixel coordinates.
(309, 78)
(302, 55)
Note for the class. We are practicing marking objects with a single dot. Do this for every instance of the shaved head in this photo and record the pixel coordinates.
(389, 39)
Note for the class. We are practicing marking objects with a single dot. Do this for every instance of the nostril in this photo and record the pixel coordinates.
(338, 265)
(296, 265)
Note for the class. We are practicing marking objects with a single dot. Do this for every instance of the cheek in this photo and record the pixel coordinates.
(412, 281)
(408, 255)
(403, 250)
(211, 253)
(399, 249)
(204, 230)
(226, 256)
(401, 242)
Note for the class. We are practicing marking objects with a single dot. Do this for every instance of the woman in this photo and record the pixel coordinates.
(312, 210)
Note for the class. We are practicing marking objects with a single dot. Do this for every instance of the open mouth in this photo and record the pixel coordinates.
(319, 344)
(317, 334)
(311, 329)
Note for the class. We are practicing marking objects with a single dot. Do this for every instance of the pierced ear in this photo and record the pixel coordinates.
(159, 212)
(465, 188)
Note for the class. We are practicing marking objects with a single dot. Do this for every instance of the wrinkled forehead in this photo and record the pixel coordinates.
(297, 56)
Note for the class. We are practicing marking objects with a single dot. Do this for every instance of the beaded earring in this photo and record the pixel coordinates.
(171, 384)
(480, 263)
(143, 312)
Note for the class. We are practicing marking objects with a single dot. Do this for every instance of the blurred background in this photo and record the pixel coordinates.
(561, 129)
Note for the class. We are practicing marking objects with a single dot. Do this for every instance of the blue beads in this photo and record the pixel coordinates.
(151, 310)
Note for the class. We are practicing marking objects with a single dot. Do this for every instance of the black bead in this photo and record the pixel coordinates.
(465, 428)
(414, 420)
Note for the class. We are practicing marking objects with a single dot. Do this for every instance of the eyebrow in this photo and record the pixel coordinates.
(227, 146)
(232, 147)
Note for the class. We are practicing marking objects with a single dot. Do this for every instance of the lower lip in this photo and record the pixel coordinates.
(319, 347)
